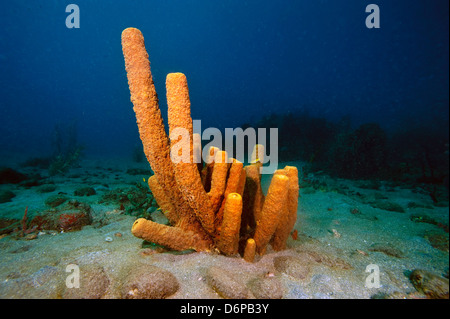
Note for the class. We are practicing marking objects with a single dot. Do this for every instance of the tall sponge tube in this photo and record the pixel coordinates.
(151, 125)
(187, 175)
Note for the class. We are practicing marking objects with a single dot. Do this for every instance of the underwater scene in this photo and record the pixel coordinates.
(215, 150)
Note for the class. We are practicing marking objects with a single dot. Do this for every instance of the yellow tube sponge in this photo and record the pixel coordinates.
(289, 211)
(250, 250)
(211, 207)
(150, 123)
(145, 105)
(171, 237)
(253, 195)
(187, 174)
(219, 179)
(233, 185)
(273, 205)
(209, 168)
(163, 200)
(228, 242)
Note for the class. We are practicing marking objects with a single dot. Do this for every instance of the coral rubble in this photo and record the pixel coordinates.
(219, 206)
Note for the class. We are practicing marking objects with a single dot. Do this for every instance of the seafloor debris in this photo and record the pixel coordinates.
(357, 213)
(69, 217)
(387, 249)
(362, 252)
(218, 206)
(136, 200)
(336, 234)
(432, 285)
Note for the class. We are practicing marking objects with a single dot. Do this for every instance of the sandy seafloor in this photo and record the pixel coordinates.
(36, 268)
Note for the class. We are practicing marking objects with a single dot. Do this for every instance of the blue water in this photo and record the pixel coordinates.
(243, 60)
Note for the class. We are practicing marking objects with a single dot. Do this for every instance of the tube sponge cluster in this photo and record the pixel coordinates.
(217, 206)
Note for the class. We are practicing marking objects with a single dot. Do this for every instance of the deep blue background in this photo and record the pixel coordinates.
(243, 59)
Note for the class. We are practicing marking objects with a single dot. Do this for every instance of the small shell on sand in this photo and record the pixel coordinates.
(362, 252)
(108, 239)
(336, 234)
(31, 236)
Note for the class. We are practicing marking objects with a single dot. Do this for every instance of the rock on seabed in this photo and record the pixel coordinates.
(222, 282)
(149, 282)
